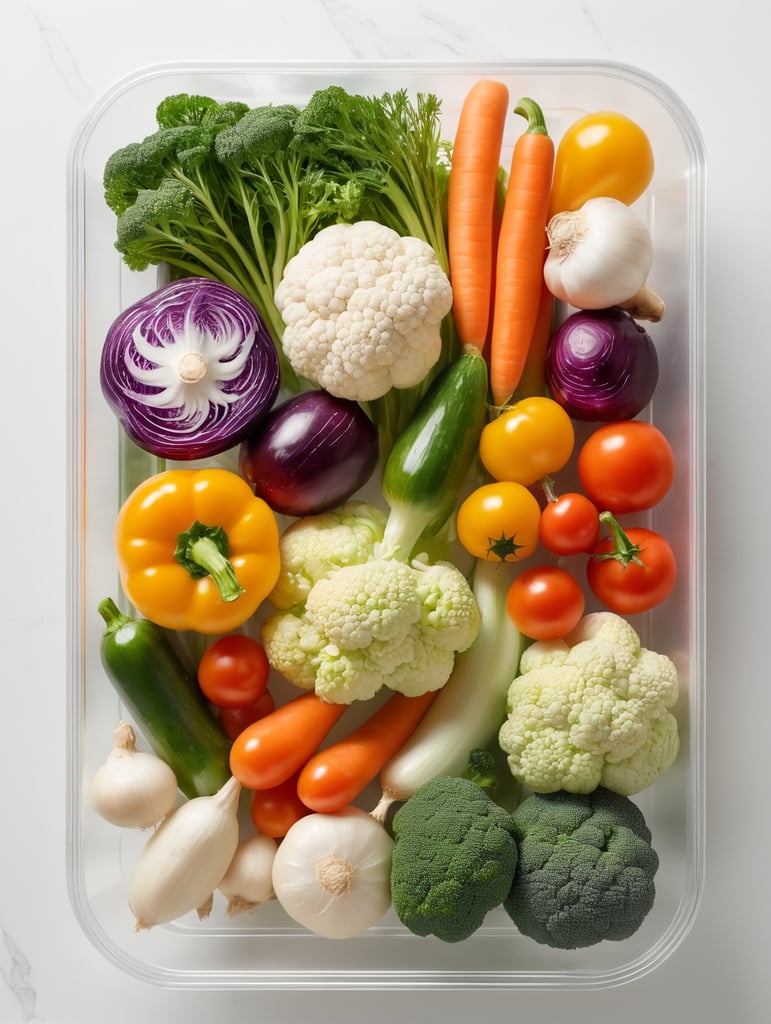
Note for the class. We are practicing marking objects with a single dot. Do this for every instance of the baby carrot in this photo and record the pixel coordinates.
(471, 198)
(271, 749)
(521, 251)
(335, 776)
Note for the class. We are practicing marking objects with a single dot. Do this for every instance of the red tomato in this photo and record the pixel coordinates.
(274, 811)
(632, 570)
(233, 672)
(626, 466)
(233, 721)
(569, 524)
(545, 602)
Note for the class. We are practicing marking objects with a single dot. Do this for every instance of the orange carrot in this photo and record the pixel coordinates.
(271, 749)
(334, 777)
(521, 251)
(472, 188)
(533, 379)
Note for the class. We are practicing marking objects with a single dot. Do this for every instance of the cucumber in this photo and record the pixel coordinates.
(164, 697)
(431, 458)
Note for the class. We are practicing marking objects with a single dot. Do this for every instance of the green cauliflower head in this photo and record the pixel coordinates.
(591, 710)
(453, 860)
(352, 622)
(585, 868)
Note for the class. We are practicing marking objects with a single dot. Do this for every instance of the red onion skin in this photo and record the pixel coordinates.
(310, 453)
(601, 366)
(160, 318)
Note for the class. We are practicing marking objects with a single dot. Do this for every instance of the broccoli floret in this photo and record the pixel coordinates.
(482, 769)
(454, 858)
(585, 869)
(262, 132)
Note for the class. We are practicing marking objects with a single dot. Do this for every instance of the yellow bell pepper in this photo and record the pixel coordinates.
(601, 154)
(197, 550)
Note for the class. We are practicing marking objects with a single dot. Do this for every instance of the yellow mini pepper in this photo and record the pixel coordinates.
(601, 154)
(197, 550)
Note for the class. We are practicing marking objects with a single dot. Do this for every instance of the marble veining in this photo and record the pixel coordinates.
(62, 59)
(17, 974)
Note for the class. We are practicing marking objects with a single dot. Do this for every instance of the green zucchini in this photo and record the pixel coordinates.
(431, 458)
(163, 695)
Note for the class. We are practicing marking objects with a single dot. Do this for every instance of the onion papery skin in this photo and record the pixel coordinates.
(310, 453)
(601, 366)
(141, 381)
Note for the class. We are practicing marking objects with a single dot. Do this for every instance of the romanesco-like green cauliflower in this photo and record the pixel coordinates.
(353, 620)
(592, 709)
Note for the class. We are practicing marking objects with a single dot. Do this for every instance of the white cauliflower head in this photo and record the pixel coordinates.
(363, 307)
(593, 709)
(377, 623)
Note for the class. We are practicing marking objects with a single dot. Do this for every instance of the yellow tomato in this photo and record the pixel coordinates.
(530, 440)
(499, 522)
(601, 154)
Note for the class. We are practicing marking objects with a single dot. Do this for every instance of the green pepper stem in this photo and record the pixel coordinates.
(624, 551)
(529, 109)
(203, 551)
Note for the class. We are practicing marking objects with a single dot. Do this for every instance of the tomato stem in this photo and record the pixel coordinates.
(624, 551)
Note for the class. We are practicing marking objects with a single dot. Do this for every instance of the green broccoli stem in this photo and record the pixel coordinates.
(624, 551)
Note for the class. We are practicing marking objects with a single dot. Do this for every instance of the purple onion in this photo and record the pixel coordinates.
(190, 369)
(310, 453)
(601, 365)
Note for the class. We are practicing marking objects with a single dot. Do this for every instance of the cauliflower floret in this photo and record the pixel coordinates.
(379, 623)
(313, 546)
(591, 710)
(363, 307)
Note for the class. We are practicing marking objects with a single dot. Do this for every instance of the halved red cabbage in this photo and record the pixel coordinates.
(190, 369)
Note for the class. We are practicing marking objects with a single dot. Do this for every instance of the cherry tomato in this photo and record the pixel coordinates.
(531, 439)
(234, 720)
(631, 571)
(570, 524)
(545, 603)
(233, 672)
(626, 466)
(274, 811)
(499, 522)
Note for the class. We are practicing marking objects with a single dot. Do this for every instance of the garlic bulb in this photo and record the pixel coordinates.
(185, 859)
(132, 789)
(599, 256)
(248, 881)
(332, 872)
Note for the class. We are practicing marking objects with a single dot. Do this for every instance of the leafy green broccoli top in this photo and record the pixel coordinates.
(585, 869)
(453, 860)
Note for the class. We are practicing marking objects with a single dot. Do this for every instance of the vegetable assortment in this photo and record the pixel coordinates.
(420, 559)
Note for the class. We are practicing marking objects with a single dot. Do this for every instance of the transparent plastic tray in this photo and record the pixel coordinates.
(264, 949)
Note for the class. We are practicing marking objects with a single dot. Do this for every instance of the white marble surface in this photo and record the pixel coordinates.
(55, 60)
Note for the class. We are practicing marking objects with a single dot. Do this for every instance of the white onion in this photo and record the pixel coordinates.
(249, 879)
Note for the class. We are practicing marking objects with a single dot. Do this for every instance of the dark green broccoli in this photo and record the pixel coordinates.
(585, 869)
(453, 860)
